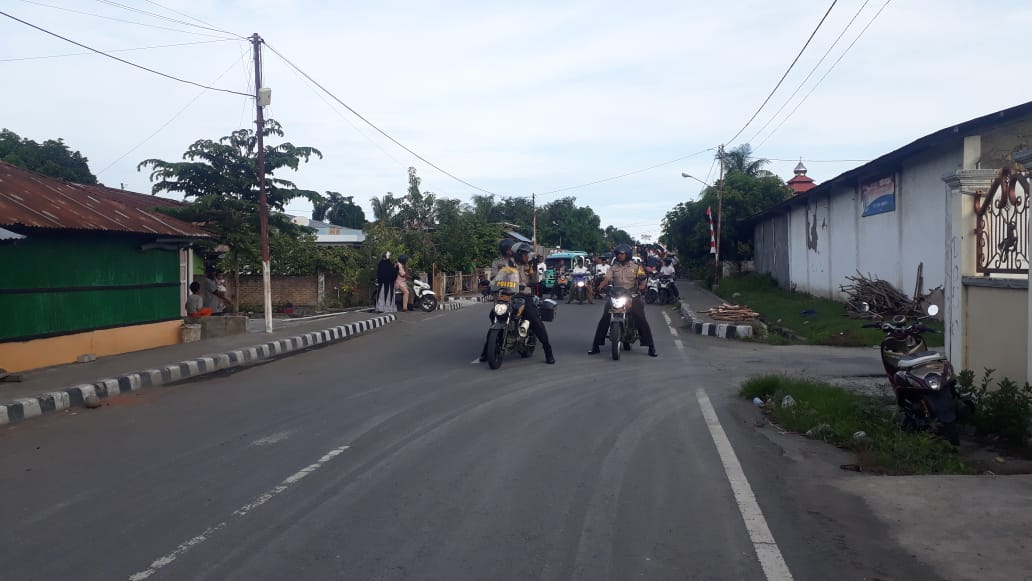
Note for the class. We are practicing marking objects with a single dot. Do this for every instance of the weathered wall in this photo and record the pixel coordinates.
(299, 291)
(23, 355)
(921, 202)
(845, 213)
(1001, 141)
(993, 339)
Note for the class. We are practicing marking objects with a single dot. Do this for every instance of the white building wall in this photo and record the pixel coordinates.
(920, 203)
(844, 215)
(878, 248)
(818, 247)
(798, 264)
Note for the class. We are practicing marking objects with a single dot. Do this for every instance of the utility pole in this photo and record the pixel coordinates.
(533, 235)
(720, 211)
(263, 202)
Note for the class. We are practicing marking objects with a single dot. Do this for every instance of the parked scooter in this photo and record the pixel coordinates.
(923, 381)
(622, 330)
(422, 295)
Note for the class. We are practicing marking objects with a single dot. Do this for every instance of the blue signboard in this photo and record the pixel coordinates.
(878, 197)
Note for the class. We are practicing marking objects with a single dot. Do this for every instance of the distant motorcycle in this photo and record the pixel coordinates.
(562, 286)
(579, 290)
(622, 330)
(423, 296)
(652, 289)
(923, 381)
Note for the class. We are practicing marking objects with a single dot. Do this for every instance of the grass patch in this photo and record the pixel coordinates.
(828, 413)
(813, 320)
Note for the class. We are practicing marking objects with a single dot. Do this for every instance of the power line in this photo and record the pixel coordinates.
(53, 56)
(826, 73)
(796, 59)
(169, 122)
(180, 13)
(132, 64)
(630, 173)
(818, 160)
(117, 19)
(162, 17)
(810, 74)
(380, 131)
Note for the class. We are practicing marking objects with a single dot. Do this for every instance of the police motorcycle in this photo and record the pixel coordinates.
(622, 330)
(510, 331)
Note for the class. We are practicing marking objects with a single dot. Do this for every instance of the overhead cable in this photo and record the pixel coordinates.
(826, 73)
(380, 131)
(54, 56)
(132, 64)
(796, 59)
(120, 19)
(810, 74)
(163, 17)
(630, 173)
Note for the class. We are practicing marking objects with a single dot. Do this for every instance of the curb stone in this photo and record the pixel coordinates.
(75, 396)
(722, 330)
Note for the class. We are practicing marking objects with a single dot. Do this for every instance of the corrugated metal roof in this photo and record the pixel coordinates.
(8, 235)
(34, 200)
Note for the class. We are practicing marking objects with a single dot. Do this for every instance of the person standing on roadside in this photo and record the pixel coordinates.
(214, 299)
(401, 283)
(386, 275)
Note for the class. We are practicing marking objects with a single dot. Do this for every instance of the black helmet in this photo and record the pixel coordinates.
(403, 258)
(622, 248)
(522, 248)
(505, 245)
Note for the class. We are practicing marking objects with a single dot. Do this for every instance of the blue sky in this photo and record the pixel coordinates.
(515, 99)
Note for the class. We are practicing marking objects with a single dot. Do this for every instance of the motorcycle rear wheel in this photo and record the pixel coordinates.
(664, 297)
(495, 347)
(650, 296)
(428, 303)
(615, 335)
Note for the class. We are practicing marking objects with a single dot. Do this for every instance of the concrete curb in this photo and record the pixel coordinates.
(75, 396)
(722, 330)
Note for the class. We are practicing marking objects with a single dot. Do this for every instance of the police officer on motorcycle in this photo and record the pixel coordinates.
(521, 260)
(517, 255)
(625, 273)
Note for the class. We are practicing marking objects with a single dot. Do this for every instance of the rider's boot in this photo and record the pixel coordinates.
(652, 351)
(549, 359)
(594, 350)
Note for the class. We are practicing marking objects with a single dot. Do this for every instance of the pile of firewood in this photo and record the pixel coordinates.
(726, 312)
(881, 297)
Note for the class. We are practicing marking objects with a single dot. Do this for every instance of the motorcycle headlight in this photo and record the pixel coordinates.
(501, 309)
(619, 302)
(933, 381)
(581, 283)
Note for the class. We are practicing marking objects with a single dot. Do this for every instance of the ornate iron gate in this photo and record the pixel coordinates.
(1002, 223)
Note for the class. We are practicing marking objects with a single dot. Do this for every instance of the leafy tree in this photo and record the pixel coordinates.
(686, 227)
(51, 158)
(385, 208)
(222, 177)
(616, 236)
(562, 223)
(338, 209)
(740, 160)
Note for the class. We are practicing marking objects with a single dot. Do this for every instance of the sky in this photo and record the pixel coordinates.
(513, 98)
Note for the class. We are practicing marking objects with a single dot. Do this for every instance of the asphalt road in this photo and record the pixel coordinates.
(394, 457)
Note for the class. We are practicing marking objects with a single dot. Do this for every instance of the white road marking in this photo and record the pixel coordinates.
(766, 547)
(666, 318)
(272, 439)
(680, 345)
(238, 513)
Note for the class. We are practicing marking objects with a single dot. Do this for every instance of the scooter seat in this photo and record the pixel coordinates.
(918, 359)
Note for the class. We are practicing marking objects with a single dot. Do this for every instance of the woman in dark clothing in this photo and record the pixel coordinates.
(386, 275)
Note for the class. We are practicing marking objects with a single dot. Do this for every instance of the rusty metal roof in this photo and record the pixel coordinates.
(34, 200)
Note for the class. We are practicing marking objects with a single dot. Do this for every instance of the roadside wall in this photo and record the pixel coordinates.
(299, 291)
(993, 339)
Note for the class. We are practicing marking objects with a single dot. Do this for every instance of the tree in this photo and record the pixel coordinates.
(740, 160)
(338, 209)
(385, 208)
(686, 227)
(51, 158)
(562, 223)
(222, 177)
(616, 236)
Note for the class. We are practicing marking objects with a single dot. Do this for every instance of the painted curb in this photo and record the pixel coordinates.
(75, 396)
(722, 330)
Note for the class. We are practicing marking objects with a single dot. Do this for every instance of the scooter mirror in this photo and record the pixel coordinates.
(933, 310)
(864, 307)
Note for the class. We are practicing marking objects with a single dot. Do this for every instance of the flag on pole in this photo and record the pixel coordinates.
(712, 237)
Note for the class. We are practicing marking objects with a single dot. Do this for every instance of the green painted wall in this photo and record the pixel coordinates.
(49, 283)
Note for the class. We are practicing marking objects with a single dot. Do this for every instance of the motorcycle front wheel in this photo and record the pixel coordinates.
(650, 296)
(428, 303)
(664, 297)
(615, 336)
(495, 347)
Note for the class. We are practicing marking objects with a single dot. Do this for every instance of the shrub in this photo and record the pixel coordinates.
(1005, 411)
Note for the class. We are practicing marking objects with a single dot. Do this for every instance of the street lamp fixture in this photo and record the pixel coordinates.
(689, 176)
